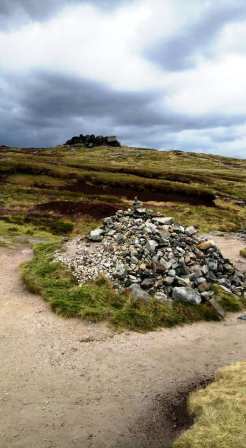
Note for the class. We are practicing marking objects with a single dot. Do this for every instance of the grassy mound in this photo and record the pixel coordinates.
(98, 301)
(220, 411)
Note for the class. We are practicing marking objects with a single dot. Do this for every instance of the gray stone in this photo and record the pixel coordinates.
(185, 294)
(151, 246)
(96, 235)
(213, 265)
(138, 293)
(161, 297)
(169, 280)
(164, 221)
(162, 265)
(120, 270)
(182, 281)
(191, 230)
(148, 283)
(219, 310)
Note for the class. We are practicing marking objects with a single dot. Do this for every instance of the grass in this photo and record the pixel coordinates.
(11, 232)
(182, 184)
(97, 301)
(243, 252)
(220, 412)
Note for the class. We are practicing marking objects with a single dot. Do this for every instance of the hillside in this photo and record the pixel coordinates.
(63, 189)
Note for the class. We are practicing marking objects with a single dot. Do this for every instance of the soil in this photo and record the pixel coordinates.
(68, 383)
(95, 210)
(144, 194)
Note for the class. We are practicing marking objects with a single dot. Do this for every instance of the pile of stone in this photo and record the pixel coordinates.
(90, 141)
(150, 255)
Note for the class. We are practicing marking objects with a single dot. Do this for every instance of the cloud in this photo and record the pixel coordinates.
(53, 102)
(182, 50)
(21, 11)
(158, 74)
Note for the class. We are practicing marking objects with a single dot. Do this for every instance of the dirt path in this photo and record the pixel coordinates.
(68, 384)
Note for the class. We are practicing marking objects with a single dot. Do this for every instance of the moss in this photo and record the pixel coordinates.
(220, 412)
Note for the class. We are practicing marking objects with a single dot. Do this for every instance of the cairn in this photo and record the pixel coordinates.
(152, 256)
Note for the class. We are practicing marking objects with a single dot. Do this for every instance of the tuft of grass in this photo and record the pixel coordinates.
(228, 301)
(98, 301)
(220, 412)
(243, 252)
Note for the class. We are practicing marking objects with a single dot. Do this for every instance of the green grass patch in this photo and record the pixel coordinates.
(220, 412)
(98, 301)
(228, 301)
(243, 253)
(11, 233)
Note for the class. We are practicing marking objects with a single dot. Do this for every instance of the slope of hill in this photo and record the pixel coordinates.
(60, 189)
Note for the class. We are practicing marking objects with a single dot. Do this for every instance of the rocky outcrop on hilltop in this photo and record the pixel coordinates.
(90, 141)
(151, 255)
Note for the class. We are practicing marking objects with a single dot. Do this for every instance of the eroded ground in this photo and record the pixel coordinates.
(67, 383)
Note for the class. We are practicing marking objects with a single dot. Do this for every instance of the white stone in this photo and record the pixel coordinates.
(186, 295)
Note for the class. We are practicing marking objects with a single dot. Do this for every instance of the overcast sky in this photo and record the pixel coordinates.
(156, 73)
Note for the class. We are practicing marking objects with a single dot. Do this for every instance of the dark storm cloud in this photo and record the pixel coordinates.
(14, 11)
(46, 109)
(45, 105)
(176, 53)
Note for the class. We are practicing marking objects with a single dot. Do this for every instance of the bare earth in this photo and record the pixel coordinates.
(70, 384)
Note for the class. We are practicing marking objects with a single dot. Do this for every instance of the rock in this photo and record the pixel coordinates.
(204, 245)
(185, 294)
(161, 297)
(96, 235)
(151, 245)
(205, 286)
(191, 231)
(138, 293)
(164, 221)
(148, 283)
(182, 281)
(120, 270)
(161, 265)
(213, 265)
(169, 280)
(219, 310)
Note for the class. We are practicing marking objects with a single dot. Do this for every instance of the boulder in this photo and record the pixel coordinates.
(185, 294)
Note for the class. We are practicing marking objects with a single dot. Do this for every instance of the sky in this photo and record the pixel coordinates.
(166, 74)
